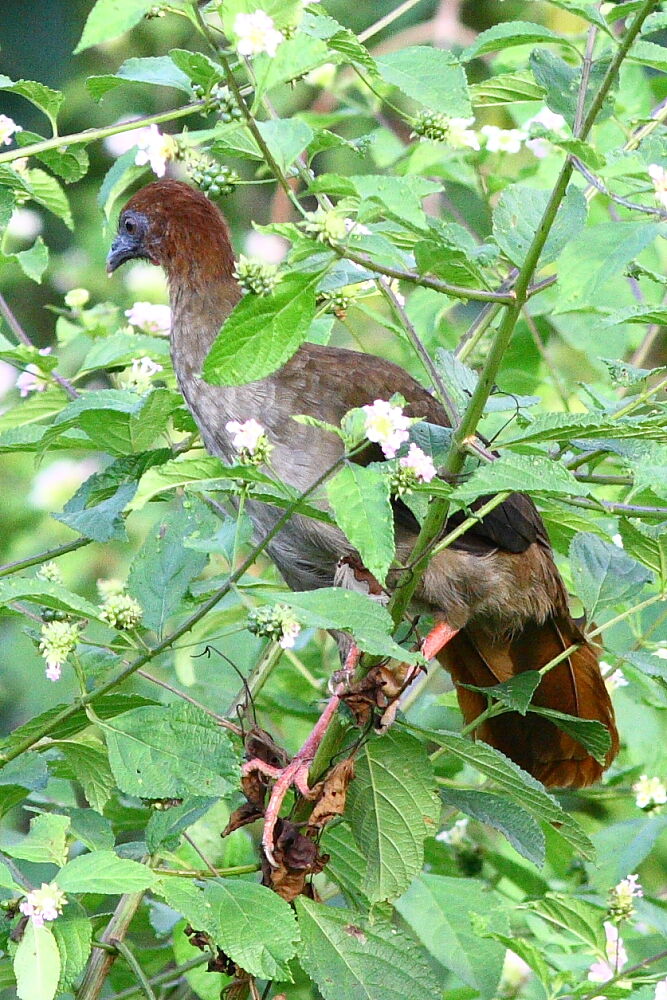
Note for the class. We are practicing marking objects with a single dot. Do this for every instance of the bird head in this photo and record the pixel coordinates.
(175, 227)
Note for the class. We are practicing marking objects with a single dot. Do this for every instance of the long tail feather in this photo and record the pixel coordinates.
(574, 687)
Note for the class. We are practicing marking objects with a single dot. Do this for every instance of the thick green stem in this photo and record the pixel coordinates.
(101, 960)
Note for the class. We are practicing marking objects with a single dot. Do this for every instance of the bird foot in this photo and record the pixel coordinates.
(437, 638)
(294, 774)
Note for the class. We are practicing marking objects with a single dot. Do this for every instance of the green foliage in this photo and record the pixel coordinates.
(523, 271)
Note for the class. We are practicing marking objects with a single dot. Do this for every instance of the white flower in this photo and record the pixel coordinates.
(356, 228)
(387, 425)
(245, 436)
(658, 175)
(661, 990)
(138, 377)
(617, 540)
(110, 588)
(121, 611)
(291, 630)
(661, 653)
(56, 483)
(32, 379)
(256, 33)
(602, 972)
(649, 792)
(51, 572)
(8, 128)
(622, 896)
(419, 463)
(269, 247)
(25, 223)
(501, 140)
(613, 680)
(548, 119)
(156, 149)
(57, 641)
(460, 134)
(456, 835)
(150, 318)
(515, 973)
(43, 904)
(77, 298)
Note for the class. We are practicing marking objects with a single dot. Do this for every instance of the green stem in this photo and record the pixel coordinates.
(129, 957)
(167, 978)
(42, 557)
(258, 676)
(206, 873)
(100, 961)
(638, 400)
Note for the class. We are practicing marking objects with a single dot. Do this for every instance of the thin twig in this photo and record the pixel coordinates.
(585, 76)
(186, 697)
(168, 978)
(42, 557)
(384, 22)
(131, 960)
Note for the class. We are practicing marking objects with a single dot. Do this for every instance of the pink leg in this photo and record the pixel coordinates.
(438, 637)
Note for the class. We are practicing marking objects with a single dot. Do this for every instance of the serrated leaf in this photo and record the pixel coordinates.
(506, 88)
(254, 926)
(647, 544)
(110, 18)
(122, 348)
(360, 500)
(603, 574)
(29, 771)
(516, 693)
(165, 826)
(104, 872)
(73, 934)
(438, 909)
(37, 963)
(590, 733)
(565, 426)
(528, 473)
(206, 472)
(46, 190)
(286, 138)
(512, 820)
(350, 959)
(511, 33)
(433, 77)
(170, 752)
(34, 261)
(47, 594)
(518, 214)
(597, 256)
(68, 162)
(93, 830)
(45, 841)
(392, 808)
(198, 67)
(262, 333)
(562, 81)
(160, 71)
(574, 916)
(90, 766)
(347, 863)
(43, 97)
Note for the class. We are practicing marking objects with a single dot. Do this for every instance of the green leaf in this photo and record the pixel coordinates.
(597, 256)
(451, 263)
(351, 959)
(508, 34)
(93, 830)
(565, 426)
(520, 786)
(46, 190)
(517, 692)
(197, 67)
(165, 826)
(575, 917)
(262, 333)
(163, 568)
(34, 261)
(158, 70)
(562, 81)
(399, 197)
(433, 77)
(439, 909)
(392, 807)
(204, 473)
(29, 771)
(73, 934)
(286, 138)
(647, 544)
(506, 88)
(44, 98)
(45, 841)
(334, 608)
(47, 594)
(603, 575)
(110, 18)
(122, 348)
(359, 497)
(254, 926)
(512, 820)
(117, 180)
(89, 763)
(6, 879)
(590, 733)
(529, 473)
(170, 752)
(37, 964)
(518, 214)
(347, 863)
(101, 522)
(68, 162)
(104, 872)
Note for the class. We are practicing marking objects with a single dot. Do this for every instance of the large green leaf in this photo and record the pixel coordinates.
(433, 77)
(518, 214)
(286, 138)
(603, 574)
(110, 18)
(512, 820)
(351, 959)
(510, 33)
(170, 752)
(597, 256)
(37, 963)
(73, 933)
(532, 473)
(47, 594)
(392, 807)
(104, 872)
(359, 497)
(46, 841)
(89, 764)
(44, 98)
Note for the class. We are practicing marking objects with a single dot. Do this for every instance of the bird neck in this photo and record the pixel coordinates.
(199, 308)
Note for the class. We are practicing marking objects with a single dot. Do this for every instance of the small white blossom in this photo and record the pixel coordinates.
(459, 133)
(51, 572)
(269, 247)
(138, 377)
(456, 835)
(8, 128)
(515, 974)
(32, 379)
(58, 640)
(622, 896)
(658, 175)
(419, 463)
(650, 793)
(613, 680)
(245, 436)
(77, 298)
(122, 142)
(661, 653)
(291, 630)
(387, 425)
(150, 318)
(356, 228)
(43, 904)
(155, 148)
(501, 140)
(110, 588)
(256, 33)
(602, 972)
(121, 611)
(617, 540)
(661, 990)
(25, 223)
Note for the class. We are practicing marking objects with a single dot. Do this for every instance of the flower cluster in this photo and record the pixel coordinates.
(156, 149)
(213, 178)
(50, 571)
(256, 33)
(33, 378)
(276, 622)
(503, 140)
(603, 971)
(149, 318)
(138, 378)
(387, 425)
(121, 611)
(57, 640)
(456, 132)
(110, 588)
(8, 129)
(621, 898)
(43, 904)
(650, 793)
(256, 276)
(250, 440)
(326, 226)
(456, 835)
(414, 468)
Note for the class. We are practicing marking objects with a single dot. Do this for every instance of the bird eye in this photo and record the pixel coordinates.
(130, 226)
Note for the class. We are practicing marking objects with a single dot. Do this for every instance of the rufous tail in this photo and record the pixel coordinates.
(574, 687)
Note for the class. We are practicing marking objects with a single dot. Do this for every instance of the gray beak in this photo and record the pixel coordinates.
(124, 247)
